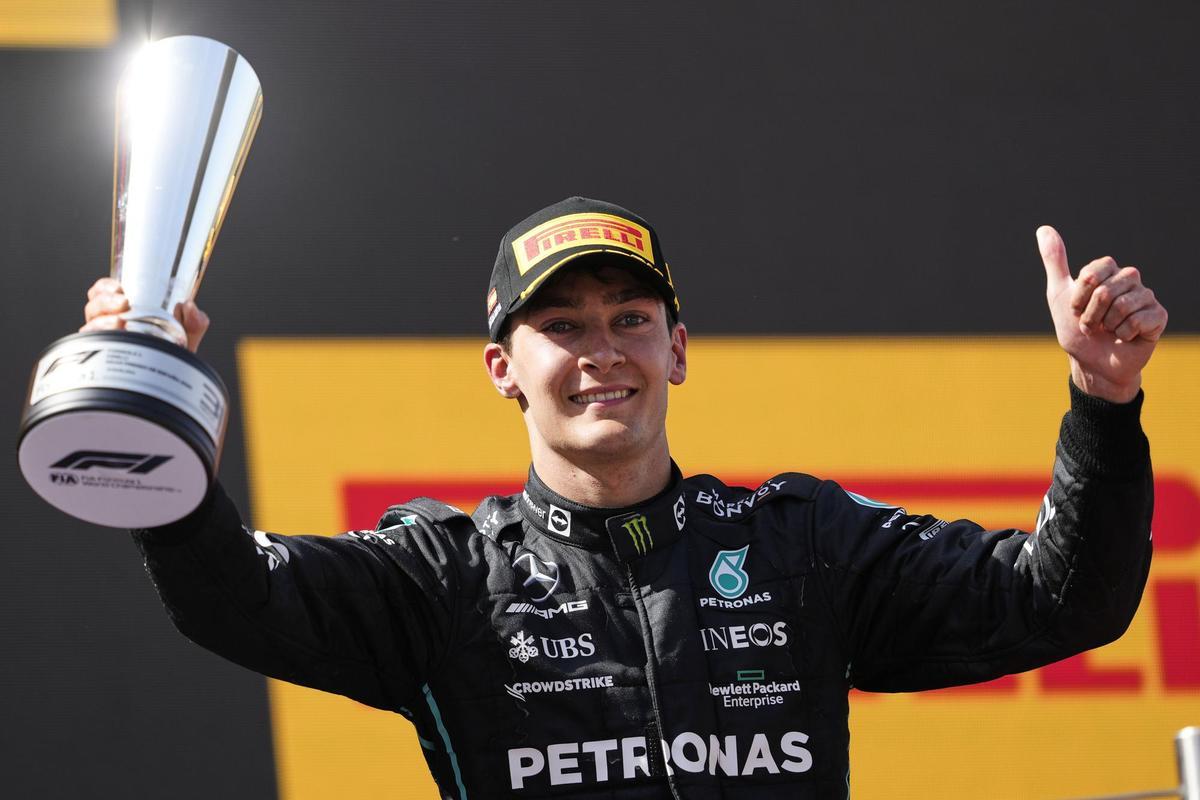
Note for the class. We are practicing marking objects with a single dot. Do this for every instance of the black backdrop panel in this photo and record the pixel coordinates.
(828, 168)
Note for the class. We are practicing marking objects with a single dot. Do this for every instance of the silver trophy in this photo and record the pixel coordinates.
(124, 428)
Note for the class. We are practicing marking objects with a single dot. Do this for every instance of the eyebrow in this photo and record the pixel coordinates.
(610, 298)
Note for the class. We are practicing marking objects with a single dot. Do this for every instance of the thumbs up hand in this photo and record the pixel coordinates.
(1106, 320)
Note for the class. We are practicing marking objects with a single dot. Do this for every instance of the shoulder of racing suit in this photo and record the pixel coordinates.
(491, 516)
(424, 508)
(730, 503)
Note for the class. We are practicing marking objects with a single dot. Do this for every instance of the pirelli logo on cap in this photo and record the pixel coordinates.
(574, 230)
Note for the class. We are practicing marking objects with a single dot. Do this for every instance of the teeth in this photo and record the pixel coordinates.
(584, 399)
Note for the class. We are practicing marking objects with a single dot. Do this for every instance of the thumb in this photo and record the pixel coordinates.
(1054, 257)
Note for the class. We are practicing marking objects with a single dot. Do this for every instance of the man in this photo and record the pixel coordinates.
(618, 630)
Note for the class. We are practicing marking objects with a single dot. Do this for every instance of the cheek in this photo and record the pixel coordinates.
(545, 381)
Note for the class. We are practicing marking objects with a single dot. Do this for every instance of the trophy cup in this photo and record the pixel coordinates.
(124, 428)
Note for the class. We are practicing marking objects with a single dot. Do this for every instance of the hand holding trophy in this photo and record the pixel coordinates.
(124, 427)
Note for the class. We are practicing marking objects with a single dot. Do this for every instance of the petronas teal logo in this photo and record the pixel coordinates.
(727, 575)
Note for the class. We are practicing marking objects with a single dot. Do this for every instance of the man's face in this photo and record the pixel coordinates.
(590, 359)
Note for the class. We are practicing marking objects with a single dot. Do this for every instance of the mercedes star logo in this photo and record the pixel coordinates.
(543, 576)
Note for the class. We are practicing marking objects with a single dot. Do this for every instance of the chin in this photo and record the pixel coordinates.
(609, 438)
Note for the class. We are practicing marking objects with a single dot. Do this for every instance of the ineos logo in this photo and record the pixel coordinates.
(543, 575)
(133, 463)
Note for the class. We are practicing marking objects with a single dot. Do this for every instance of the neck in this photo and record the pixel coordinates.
(605, 482)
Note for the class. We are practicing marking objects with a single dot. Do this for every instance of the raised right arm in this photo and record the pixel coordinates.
(366, 614)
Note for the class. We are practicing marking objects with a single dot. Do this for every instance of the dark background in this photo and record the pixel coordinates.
(811, 168)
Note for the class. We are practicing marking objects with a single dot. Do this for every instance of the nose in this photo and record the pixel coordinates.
(601, 351)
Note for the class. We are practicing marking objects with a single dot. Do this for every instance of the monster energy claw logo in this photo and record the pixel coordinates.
(638, 529)
(727, 575)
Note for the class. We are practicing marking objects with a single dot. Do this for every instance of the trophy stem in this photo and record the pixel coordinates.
(155, 323)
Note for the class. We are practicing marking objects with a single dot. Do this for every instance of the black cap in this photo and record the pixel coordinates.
(576, 227)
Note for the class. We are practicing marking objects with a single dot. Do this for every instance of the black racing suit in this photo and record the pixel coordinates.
(698, 645)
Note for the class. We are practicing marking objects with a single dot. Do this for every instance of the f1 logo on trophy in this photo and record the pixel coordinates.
(124, 428)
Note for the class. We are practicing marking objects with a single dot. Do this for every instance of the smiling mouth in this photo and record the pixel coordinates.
(600, 397)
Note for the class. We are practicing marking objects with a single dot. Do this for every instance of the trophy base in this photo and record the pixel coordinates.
(122, 429)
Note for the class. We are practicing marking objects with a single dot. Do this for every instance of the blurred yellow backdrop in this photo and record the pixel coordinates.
(57, 23)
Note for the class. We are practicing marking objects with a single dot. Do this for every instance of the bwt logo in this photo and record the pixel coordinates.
(133, 463)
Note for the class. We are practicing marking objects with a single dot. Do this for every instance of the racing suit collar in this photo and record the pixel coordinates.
(630, 532)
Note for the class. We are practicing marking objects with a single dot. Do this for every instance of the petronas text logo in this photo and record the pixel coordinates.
(638, 529)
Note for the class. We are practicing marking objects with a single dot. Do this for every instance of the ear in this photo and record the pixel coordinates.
(500, 370)
(678, 371)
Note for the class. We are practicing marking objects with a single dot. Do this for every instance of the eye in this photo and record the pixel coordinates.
(632, 319)
(557, 326)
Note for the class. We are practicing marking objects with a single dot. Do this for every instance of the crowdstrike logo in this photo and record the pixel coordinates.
(520, 689)
(638, 528)
(726, 574)
(621, 759)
